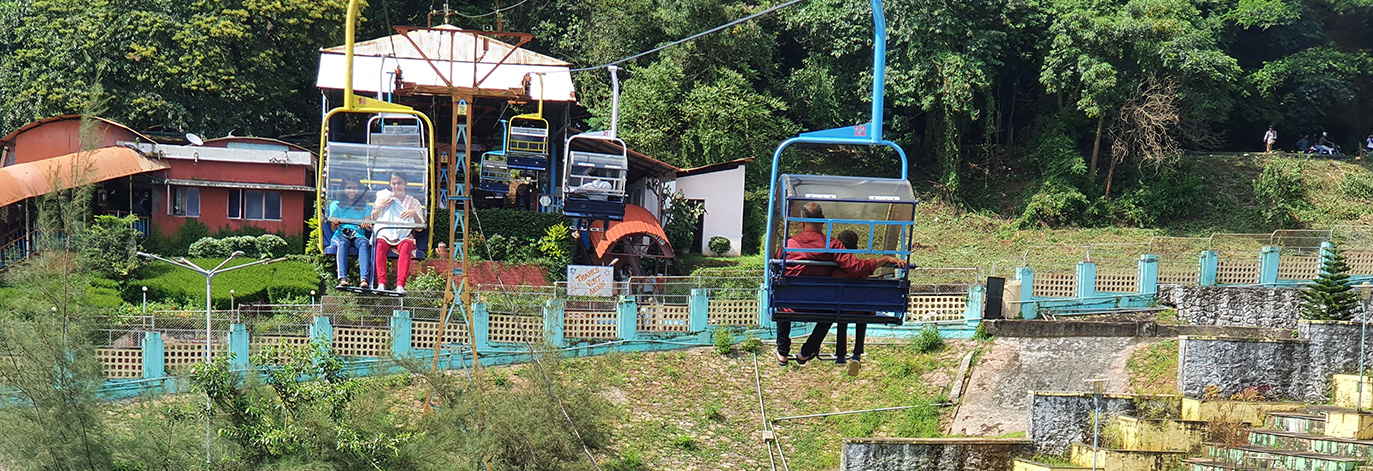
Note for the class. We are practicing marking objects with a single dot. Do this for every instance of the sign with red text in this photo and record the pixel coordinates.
(590, 280)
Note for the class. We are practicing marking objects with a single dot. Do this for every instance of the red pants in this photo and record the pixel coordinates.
(407, 250)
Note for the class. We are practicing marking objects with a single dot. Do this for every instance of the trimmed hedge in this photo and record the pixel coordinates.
(267, 283)
(512, 223)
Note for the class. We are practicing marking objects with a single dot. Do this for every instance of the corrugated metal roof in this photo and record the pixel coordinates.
(461, 57)
(22, 181)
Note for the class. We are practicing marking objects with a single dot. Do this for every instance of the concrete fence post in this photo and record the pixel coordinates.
(699, 305)
(403, 334)
(972, 314)
(627, 323)
(764, 318)
(238, 345)
(154, 356)
(1026, 277)
(322, 330)
(1148, 274)
(1086, 280)
(481, 327)
(1209, 261)
(553, 323)
(1269, 258)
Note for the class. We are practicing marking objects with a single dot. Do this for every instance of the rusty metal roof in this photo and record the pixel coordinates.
(637, 222)
(22, 181)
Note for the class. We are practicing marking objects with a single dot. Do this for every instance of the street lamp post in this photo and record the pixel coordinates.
(1363, 340)
(231, 300)
(1098, 387)
(145, 300)
(209, 277)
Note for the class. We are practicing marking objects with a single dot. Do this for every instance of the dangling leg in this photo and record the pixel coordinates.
(812, 346)
(407, 253)
(783, 342)
(364, 261)
(841, 331)
(382, 248)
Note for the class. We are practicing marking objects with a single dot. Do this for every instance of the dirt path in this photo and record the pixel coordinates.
(996, 401)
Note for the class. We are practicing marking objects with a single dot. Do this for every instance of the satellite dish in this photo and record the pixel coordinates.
(195, 140)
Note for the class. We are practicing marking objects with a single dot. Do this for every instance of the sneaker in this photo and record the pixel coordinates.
(381, 287)
(854, 367)
(400, 290)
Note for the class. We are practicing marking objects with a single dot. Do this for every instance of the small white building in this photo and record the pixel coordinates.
(719, 187)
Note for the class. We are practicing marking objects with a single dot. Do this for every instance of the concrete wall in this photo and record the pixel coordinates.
(723, 193)
(1242, 306)
(931, 454)
(1290, 368)
(1056, 420)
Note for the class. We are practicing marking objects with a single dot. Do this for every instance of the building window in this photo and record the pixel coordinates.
(255, 204)
(185, 202)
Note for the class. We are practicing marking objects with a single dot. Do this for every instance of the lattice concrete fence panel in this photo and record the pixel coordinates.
(181, 355)
(1117, 280)
(361, 341)
(1179, 274)
(1291, 267)
(1055, 285)
(508, 328)
(1236, 269)
(664, 318)
(423, 333)
(590, 325)
(732, 312)
(122, 363)
(1360, 262)
(937, 308)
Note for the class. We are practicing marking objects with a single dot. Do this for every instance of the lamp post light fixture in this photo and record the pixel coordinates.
(231, 299)
(1098, 387)
(145, 300)
(312, 296)
(209, 277)
(1366, 292)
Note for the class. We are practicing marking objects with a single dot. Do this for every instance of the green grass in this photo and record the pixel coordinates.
(264, 283)
(1154, 369)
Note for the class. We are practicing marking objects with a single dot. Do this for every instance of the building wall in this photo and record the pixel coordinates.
(1226, 305)
(1299, 368)
(62, 137)
(723, 193)
(933, 454)
(239, 172)
(214, 212)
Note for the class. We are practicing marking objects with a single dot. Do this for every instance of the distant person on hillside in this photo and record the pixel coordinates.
(1324, 146)
(1269, 138)
(1368, 144)
(1304, 145)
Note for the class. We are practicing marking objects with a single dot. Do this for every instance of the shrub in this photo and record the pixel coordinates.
(110, 246)
(681, 215)
(751, 344)
(928, 341)
(1357, 186)
(981, 332)
(719, 245)
(1054, 204)
(208, 247)
(723, 338)
(1281, 189)
(269, 244)
(530, 225)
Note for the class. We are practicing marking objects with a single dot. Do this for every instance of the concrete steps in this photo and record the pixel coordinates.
(1313, 424)
(1255, 456)
(1205, 464)
(1306, 442)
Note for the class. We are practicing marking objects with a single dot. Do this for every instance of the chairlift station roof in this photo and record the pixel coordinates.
(462, 57)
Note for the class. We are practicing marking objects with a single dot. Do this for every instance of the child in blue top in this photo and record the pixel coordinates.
(353, 205)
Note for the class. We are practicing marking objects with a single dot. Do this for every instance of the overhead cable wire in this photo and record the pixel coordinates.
(492, 12)
(692, 37)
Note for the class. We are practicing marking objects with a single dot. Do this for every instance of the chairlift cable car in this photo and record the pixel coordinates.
(881, 210)
(593, 178)
(524, 146)
(399, 140)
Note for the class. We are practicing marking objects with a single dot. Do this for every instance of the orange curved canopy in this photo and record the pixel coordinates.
(23, 181)
(637, 222)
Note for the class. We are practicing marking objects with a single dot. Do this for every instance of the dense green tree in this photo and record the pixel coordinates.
(1330, 296)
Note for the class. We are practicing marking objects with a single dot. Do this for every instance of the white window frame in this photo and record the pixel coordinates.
(173, 192)
(243, 204)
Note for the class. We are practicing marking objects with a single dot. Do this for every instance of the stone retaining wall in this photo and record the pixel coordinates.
(1298, 369)
(932, 454)
(1232, 305)
(1056, 420)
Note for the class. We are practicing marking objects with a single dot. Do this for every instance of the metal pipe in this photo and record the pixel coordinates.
(350, 35)
(615, 100)
(779, 419)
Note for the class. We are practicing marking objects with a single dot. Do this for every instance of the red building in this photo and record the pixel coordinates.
(231, 182)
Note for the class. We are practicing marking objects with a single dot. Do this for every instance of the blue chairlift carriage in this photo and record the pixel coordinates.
(880, 210)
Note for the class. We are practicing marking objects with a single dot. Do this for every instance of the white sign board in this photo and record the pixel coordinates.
(589, 280)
